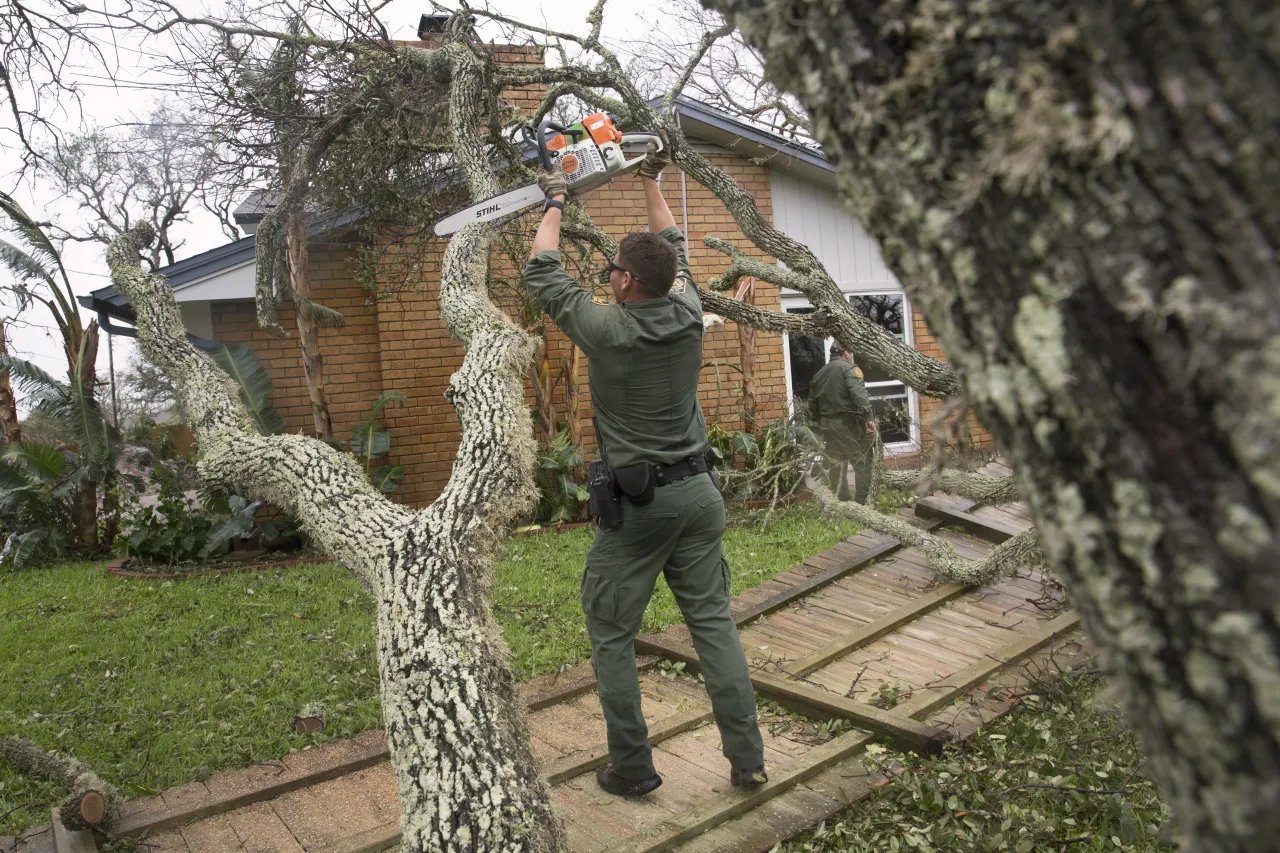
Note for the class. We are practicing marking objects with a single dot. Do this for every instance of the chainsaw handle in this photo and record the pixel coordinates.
(631, 140)
(540, 139)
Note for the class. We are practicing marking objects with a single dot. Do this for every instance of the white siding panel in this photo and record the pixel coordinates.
(813, 215)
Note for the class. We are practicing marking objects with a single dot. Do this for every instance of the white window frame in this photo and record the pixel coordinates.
(797, 300)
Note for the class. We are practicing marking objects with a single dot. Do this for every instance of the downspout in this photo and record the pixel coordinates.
(104, 323)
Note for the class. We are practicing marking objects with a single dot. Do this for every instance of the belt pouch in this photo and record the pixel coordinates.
(637, 482)
(605, 503)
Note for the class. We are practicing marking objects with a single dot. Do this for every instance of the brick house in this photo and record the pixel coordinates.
(400, 343)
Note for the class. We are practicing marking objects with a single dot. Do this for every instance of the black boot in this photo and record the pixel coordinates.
(748, 777)
(620, 786)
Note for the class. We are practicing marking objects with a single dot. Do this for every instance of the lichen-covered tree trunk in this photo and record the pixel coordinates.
(308, 330)
(1084, 200)
(84, 371)
(91, 802)
(10, 430)
(456, 726)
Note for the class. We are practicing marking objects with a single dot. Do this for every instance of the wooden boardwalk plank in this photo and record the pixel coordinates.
(940, 694)
(992, 529)
(881, 547)
(907, 733)
(597, 755)
(874, 630)
(666, 834)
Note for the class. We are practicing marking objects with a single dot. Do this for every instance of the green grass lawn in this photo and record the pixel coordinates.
(157, 683)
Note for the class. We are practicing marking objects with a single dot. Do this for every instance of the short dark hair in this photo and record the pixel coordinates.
(650, 259)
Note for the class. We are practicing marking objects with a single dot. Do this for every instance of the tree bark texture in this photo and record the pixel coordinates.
(10, 430)
(83, 370)
(455, 723)
(747, 354)
(92, 801)
(1084, 200)
(308, 330)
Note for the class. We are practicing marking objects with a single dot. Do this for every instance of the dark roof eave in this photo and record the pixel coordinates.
(729, 124)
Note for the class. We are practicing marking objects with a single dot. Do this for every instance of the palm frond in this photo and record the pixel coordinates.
(27, 545)
(28, 377)
(388, 478)
(23, 266)
(384, 399)
(237, 524)
(367, 441)
(43, 249)
(40, 461)
(239, 362)
(321, 314)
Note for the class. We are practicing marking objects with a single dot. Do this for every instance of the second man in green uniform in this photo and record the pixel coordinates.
(841, 410)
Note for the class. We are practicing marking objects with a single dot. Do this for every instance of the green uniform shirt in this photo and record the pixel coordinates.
(644, 360)
(837, 390)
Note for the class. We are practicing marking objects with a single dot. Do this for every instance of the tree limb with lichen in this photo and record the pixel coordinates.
(92, 802)
(1019, 552)
(456, 726)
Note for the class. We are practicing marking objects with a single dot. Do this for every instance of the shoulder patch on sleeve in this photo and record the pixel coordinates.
(857, 371)
(679, 286)
(599, 300)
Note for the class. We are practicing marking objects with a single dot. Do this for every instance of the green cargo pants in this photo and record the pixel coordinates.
(677, 534)
(845, 442)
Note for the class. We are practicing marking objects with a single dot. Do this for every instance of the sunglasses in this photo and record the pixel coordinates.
(613, 266)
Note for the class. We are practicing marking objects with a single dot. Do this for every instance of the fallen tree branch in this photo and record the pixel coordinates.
(871, 344)
(1006, 558)
(577, 225)
(92, 802)
(967, 484)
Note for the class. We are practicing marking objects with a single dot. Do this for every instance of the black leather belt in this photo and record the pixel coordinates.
(665, 475)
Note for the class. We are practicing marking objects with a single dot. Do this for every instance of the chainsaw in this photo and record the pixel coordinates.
(591, 153)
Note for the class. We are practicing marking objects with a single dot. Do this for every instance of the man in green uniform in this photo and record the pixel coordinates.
(839, 405)
(645, 353)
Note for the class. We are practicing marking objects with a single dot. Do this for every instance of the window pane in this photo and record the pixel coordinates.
(807, 357)
(885, 310)
(894, 389)
(894, 418)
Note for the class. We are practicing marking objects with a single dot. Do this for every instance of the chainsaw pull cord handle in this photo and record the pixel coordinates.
(540, 139)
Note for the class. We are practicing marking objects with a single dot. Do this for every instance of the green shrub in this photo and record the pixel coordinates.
(561, 497)
(37, 498)
(173, 530)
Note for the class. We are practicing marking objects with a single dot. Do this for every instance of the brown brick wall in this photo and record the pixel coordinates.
(418, 357)
(351, 353)
(977, 438)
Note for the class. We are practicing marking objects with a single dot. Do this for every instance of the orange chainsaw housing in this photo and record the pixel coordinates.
(598, 126)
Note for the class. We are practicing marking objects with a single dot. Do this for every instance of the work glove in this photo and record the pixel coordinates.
(656, 161)
(553, 183)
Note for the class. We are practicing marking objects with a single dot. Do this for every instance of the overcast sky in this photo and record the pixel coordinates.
(137, 86)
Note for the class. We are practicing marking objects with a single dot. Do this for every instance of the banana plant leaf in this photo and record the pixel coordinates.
(388, 478)
(239, 362)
